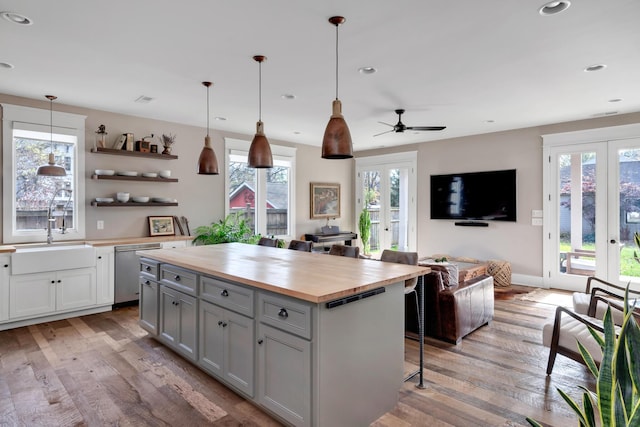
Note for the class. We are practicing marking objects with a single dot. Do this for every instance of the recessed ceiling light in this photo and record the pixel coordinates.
(296, 132)
(489, 121)
(16, 18)
(615, 100)
(220, 119)
(6, 65)
(610, 113)
(367, 70)
(143, 99)
(595, 67)
(288, 96)
(554, 7)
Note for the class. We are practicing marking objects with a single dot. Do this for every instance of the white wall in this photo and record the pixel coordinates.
(520, 243)
(200, 197)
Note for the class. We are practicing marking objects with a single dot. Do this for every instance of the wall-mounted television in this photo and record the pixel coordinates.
(484, 196)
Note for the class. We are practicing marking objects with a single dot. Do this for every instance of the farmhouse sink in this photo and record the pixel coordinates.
(52, 257)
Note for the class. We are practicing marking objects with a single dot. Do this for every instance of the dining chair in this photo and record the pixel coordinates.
(344, 250)
(300, 245)
(265, 241)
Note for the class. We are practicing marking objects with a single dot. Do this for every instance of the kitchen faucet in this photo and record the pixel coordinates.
(51, 219)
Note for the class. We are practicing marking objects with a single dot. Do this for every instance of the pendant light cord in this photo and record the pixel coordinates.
(51, 123)
(207, 110)
(336, 61)
(259, 90)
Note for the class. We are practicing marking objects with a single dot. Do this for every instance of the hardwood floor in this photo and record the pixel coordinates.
(103, 370)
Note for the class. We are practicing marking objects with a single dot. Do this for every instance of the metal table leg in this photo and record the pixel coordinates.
(420, 336)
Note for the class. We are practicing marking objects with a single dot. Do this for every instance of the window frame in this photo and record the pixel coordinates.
(279, 152)
(27, 118)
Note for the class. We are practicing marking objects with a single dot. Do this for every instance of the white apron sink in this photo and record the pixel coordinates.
(42, 257)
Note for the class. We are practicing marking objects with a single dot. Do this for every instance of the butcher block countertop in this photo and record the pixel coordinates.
(309, 276)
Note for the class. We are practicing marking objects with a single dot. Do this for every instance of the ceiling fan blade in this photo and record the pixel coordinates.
(385, 124)
(425, 127)
(378, 134)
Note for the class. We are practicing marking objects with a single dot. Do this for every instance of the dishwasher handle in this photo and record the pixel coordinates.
(140, 247)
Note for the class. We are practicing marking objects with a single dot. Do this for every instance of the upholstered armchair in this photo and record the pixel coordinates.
(586, 302)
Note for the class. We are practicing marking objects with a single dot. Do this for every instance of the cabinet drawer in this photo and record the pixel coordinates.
(149, 268)
(179, 278)
(284, 313)
(234, 297)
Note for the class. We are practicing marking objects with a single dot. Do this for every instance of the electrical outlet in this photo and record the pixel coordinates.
(536, 213)
(100, 225)
(536, 221)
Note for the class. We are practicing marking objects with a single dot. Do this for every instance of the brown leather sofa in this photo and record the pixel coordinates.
(452, 312)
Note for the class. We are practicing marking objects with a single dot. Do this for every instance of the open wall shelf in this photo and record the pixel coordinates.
(113, 151)
(133, 178)
(130, 204)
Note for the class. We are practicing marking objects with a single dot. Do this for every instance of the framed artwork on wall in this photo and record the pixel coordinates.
(325, 200)
(161, 226)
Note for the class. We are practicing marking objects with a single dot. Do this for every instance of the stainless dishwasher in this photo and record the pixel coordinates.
(128, 271)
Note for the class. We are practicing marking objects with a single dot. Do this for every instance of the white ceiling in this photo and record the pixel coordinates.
(460, 63)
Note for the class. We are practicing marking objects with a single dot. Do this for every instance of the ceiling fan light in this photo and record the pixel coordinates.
(260, 151)
(208, 162)
(337, 143)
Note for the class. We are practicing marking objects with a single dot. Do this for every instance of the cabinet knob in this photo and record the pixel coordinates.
(176, 278)
(224, 293)
(148, 283)
(53, 282)
(283, 313)
(6, 265)
(59, 281)
(260, 341)
(148, 268)
(100, 257)
(220, 322)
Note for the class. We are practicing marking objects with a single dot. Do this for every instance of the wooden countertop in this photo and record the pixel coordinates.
(309, 276)
(102, 242)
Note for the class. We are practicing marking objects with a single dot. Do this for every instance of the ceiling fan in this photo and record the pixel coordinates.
(400, 127)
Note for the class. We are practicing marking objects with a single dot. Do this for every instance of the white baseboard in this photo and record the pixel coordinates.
(53, 317)
(527, 280)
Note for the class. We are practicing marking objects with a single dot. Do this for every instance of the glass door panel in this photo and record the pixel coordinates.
(370, 196)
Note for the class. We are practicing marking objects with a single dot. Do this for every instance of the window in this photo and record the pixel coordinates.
(29, 200)
(263, 196)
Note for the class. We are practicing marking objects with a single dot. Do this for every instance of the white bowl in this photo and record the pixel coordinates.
(127, 173)
(140, 199)
(161, 200)
(165, 174)
(149, 174)
(122, 197)
(104, 172)
(104, 199)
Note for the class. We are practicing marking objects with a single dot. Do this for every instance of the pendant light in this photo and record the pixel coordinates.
(260, 151)
(51, 169)
(336, 143)
(207, 163)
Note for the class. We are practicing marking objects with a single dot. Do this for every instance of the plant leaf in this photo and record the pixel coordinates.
(534, 423)
(576, 408)
(588, 359)
(605, 386)
(587, 404)
(632, 345)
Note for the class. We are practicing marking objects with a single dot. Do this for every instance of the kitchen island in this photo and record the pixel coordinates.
(315, 339)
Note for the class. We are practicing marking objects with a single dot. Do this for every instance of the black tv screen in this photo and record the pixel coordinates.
(474, 196)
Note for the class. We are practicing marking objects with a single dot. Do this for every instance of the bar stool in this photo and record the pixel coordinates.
(410, 258)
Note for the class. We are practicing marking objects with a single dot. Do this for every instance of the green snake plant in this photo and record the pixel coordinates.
(364, 224)
(616, 402)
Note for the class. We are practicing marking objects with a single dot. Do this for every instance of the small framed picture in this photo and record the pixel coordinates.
(161, 226)
(325, 200)
(154, 148)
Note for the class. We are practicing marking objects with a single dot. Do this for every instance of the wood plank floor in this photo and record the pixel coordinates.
(103, 370)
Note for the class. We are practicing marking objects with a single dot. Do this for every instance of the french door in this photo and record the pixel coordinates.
(386, 188)
(592, 212)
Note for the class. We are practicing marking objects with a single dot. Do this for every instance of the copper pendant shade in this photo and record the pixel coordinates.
(51, 169)
(208, 162)
(336, 143)
(260, 151)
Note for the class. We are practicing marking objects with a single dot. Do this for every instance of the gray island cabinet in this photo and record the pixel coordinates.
(314, 339)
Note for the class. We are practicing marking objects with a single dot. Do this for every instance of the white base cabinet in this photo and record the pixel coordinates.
(43, 293)
(105, 274)
(5, 276)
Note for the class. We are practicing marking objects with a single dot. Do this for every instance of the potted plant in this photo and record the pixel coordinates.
(233, 228)
(364, 224)
(616, 401)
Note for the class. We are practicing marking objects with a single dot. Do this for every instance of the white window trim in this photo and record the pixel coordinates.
(285, 153)
(65, 123)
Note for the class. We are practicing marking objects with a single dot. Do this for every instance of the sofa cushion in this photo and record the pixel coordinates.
(448, 272)
(571, 331)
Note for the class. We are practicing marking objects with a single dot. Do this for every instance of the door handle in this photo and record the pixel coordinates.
(613, 241)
